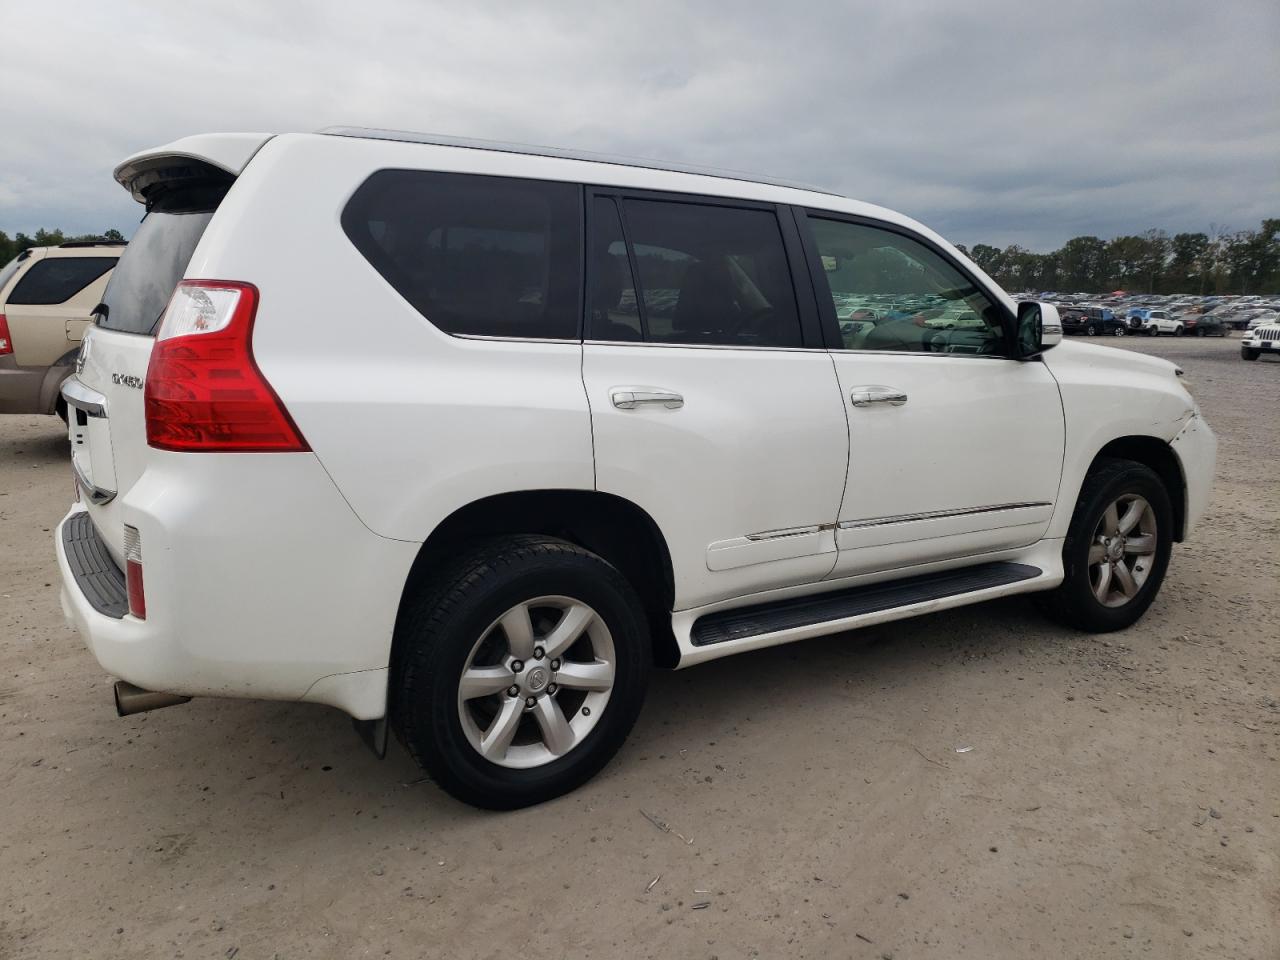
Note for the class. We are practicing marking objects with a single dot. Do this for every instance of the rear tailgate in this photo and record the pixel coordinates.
(107, 422)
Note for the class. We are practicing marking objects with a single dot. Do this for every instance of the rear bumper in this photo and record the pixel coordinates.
(1196, 447)
(260, 582)
(21, 387)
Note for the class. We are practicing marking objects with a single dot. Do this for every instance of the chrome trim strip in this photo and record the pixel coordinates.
(787, 532)
(93, 403)
(699, 346)
(96, 495)
(485, 336)
(939, 514)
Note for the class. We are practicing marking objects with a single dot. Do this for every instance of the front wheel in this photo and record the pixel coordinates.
(1248, 354)
(1091, 331)
(1116, 550)
(520, 672)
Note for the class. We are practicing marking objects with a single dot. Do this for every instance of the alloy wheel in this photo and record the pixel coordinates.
(1123, 550)
(536, 682)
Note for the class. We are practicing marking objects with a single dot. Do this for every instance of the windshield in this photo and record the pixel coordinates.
(157, 258)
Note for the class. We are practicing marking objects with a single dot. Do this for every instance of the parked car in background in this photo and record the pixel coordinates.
(1204, 325)
(1264, 339)
(1159, 321)
(1093, 321)
(500, 428)
(47, 296)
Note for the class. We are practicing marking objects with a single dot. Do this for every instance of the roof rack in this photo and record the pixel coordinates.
(404, 136)
(94, 243)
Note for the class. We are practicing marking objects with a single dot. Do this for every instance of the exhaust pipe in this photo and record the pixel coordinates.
(131, 699)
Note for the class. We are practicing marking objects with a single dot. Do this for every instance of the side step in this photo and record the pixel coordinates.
(855, 602)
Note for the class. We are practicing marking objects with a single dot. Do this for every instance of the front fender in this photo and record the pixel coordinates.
(1108, 395)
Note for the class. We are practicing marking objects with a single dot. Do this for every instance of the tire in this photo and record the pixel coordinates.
(1076, 602)
(1153, 332)
(1091, 331)
(1199, 332)
(1248, 354)
(453, 624)
(1118, 331)
(1177, 331)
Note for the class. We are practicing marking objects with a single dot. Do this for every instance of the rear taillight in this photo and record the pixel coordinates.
(6, 341)
(133, 572)
(204, 391)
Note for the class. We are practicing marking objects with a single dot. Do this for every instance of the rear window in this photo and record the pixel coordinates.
(475, 255)
(157, 257)
(58, 279)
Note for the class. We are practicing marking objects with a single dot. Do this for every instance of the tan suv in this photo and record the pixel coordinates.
(47, 296)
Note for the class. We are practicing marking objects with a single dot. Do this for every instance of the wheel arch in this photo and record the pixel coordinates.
(612, 527)
(1160, 457)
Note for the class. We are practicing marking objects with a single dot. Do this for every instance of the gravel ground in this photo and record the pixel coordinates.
(1121, 797)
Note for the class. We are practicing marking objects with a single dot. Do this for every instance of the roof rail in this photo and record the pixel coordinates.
(440, 140)
(94, 243)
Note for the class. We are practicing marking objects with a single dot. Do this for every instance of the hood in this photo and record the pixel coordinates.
(1107, 358)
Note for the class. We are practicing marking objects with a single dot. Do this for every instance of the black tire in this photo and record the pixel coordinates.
(1153, 331)
(435, 635)
(1091, 330)
(1248, 354)
(1074, 603)
(1177, 331)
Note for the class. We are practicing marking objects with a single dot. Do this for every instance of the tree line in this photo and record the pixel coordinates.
(10, 247)
(1219, 261)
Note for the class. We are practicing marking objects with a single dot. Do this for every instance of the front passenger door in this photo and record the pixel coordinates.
(955, 450)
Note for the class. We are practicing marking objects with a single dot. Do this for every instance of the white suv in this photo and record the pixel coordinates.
(462, 438)
(1262, 339)
(1159, 321)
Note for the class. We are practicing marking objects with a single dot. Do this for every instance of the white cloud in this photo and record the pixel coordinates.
(1002, 121)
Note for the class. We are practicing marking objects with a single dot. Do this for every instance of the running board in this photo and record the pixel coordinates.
(801, 612)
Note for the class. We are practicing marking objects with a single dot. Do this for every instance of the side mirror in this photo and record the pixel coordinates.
(1039, 328)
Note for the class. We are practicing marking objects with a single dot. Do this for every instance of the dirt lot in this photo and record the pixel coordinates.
(1121, 798)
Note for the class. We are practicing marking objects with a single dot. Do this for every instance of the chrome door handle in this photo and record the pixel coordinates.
(628, 398)
(865, 396)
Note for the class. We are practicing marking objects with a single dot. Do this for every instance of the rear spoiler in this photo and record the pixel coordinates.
(220, 154)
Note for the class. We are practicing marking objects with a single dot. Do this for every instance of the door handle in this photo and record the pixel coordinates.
(628, 398)
(867, 395)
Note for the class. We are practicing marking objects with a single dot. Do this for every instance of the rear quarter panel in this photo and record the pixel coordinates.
(410, 422)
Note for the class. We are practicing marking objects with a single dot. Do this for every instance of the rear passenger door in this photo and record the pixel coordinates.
(714, 406)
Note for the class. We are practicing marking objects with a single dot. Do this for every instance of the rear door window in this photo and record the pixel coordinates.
(475, 255)
(157, 257)
(712, 274)
(58, 279)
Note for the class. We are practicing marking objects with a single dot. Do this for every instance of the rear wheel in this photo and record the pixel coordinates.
(1119, 331)
(1116, 550)
(1177, 331)
(520, 672)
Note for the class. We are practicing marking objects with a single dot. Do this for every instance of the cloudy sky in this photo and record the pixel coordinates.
(1004, 121)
